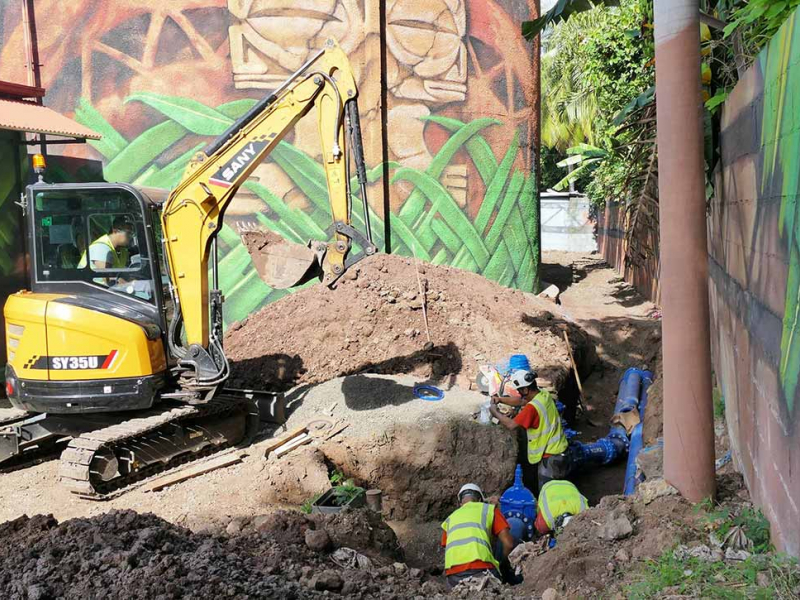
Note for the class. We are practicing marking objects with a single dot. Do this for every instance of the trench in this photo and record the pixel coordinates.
(420, 468)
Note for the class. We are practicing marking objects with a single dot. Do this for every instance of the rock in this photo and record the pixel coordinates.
(400, 568)
(415, 573)
(317, 540)
(328, 580)
(551, 594)
(622, 556)
(351, 274)
(650, 461)
(656, 488)
(260, 522)
(409, 332)
(551, 293)
(615, 528)
(36, 592)
(409, 296)
(731, 554)
(235, 526)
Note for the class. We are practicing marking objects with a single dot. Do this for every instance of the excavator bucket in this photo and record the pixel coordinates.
(279, 263)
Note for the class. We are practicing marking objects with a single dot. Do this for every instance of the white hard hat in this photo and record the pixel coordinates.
(522, 379)
(470, 487)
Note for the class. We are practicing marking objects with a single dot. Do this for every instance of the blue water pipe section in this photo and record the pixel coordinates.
(632, 395)
(631, 480)
(518, 505)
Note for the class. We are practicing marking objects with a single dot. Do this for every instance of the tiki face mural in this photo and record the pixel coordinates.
(426, 66)
(444, 96)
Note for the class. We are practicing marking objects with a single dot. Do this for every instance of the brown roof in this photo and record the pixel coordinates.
(24, 116)
(19, 91)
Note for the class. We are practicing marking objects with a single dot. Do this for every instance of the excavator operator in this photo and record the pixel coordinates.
(110, 251)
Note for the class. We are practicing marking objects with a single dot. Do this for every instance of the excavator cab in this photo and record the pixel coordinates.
(89, 334)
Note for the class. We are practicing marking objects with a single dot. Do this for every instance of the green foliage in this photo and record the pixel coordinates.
(306, 506)
(344, 491)
(759, 20)
(562, 11)
(598, 79)
(751, 520)
(719, 404)
(693, 578)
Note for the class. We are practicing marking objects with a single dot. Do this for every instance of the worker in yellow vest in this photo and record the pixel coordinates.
(469, 535)
(109, 251)
(547, 444)
(558, 501)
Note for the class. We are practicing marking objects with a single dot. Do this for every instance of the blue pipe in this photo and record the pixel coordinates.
(636, 440)
(616, 444)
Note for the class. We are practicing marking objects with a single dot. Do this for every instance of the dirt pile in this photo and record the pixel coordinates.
(419, 470)
(373, 321)
(123, 554)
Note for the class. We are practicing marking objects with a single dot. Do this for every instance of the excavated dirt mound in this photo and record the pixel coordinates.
(418, 470)
(123, 554)
(373, 321)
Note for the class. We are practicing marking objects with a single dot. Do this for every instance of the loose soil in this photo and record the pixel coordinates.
(373, 321)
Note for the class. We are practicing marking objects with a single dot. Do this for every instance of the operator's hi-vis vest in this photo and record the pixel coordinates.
(548, 437)
(469, 535)
(119, 259)
(559, 497)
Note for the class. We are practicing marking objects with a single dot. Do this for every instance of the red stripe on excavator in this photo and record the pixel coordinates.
(220, 183)
(109, 359)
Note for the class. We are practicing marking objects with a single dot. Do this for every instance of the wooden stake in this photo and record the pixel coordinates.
(578, 380)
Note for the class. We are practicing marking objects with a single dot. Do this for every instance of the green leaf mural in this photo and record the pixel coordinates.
(780, 178)
(430, 224)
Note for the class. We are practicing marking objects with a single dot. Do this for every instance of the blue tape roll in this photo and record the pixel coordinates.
(428, 392)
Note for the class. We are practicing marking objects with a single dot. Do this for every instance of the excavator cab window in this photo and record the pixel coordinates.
(93, 236)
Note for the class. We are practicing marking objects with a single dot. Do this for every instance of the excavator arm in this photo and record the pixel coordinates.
(192, 215)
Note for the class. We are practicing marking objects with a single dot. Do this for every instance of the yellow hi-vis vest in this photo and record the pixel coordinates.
(559, 497)
(549, 436)
(469, 535)
(119, 259)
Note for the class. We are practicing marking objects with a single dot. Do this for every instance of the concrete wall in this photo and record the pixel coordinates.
(567, 223)
(754, 254)
(446, 107)
(634, 255)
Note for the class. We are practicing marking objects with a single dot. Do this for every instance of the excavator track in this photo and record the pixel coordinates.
(110, 460)
(38, 451)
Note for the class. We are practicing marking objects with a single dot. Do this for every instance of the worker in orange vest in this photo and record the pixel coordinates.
(468, 538)
(547, 444)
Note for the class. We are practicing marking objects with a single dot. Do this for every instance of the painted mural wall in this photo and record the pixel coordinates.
(444, 91)
(754, 249)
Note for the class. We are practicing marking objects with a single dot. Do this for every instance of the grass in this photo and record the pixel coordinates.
(759, 577)
(497, 243)
(763, 575)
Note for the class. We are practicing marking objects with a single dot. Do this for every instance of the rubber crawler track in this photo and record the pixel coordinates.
(77, 458)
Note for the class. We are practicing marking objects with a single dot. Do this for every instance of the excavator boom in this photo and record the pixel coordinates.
(193, 213)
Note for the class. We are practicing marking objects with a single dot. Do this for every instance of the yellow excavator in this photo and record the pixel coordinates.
(117, 346)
